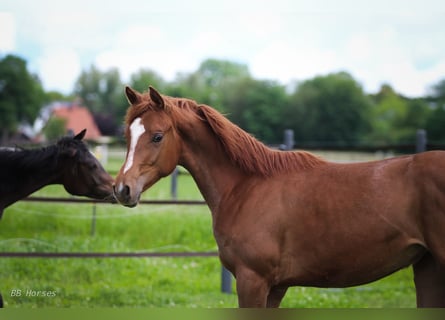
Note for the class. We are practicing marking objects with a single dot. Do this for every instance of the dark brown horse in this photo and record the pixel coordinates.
(290, 218)
(68, 162)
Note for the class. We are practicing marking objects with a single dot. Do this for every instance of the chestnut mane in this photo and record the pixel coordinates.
(242, 148)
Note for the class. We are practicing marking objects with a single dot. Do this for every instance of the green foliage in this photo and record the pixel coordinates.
(55, 128)
(102, 91)
(329, 109)
(144, 78)
(211, 83)
(257, 106)
(438, 91)
(435, 123)
(21, 94)
(53, 96)
(396, 119)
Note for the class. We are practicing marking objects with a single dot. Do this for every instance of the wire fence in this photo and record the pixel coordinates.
(226, 277)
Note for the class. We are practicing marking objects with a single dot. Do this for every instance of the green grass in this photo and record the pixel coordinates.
(142, 282)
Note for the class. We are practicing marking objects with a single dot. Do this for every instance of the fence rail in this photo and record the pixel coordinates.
(107, 254)
(226, 277)
(82, 200)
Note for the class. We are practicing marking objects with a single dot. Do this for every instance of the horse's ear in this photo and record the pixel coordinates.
(133, 96)
(156, 97)
(80, 135)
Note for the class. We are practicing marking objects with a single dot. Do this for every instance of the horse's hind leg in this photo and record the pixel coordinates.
(429, 277)
(275, 296)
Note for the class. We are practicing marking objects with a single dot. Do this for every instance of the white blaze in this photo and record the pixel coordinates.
(136, 130)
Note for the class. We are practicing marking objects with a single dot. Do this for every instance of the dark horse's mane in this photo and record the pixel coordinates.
(37, 158)
(27, 159)
(17, 163)
(242, 148)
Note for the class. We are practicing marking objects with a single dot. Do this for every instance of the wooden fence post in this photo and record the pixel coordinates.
(93, 221)
(226, 280)
(421, 140)
(174, 184)
(288, 139)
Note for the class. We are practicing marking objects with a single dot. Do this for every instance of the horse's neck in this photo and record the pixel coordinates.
(211, 169)
(18, 185)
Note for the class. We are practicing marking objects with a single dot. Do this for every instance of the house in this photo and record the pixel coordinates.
(77, 118)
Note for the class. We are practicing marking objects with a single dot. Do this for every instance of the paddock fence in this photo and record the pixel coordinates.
(226, 276)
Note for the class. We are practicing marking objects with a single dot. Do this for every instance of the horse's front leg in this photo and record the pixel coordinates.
(252, 289)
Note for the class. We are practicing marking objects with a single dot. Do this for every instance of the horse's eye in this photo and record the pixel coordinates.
(157, 137)
(93, 166)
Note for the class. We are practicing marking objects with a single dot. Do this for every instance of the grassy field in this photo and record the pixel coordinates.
(141, 282)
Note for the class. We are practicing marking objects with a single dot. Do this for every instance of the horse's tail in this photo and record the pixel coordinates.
(1, 301)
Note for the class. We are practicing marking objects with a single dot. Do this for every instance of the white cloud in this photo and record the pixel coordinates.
(137, 36)
(398, 42)
(7, 31)
(147, 46)
(59, 68)
(286, 62)
(77, 30)
(373, 57)
(383, 57)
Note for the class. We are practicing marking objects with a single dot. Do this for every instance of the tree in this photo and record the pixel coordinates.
(438, 91)
(21, 95)
(102, 93)
(435, 123)
(216, 73)
(54, 128)
(330, 109)
(257, 106)
(210, 83)
(144, 78)
(87, 87)
(395, 119)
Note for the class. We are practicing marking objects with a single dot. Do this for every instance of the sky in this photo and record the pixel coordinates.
(395, 42)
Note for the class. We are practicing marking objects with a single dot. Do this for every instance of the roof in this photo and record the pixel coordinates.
(77, 119)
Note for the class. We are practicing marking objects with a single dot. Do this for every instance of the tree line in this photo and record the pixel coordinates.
(330, 109)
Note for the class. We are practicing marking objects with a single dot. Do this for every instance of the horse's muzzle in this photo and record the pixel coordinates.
(122, 195)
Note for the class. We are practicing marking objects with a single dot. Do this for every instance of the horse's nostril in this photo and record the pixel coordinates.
(121, 191)
(126, 191)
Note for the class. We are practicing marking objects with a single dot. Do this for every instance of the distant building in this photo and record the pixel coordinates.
(77, 118)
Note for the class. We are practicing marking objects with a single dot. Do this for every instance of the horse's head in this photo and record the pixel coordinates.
(153, 147)
(82, 174)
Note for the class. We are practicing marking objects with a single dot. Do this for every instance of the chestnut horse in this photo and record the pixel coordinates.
(68, 162)
(290, 218)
